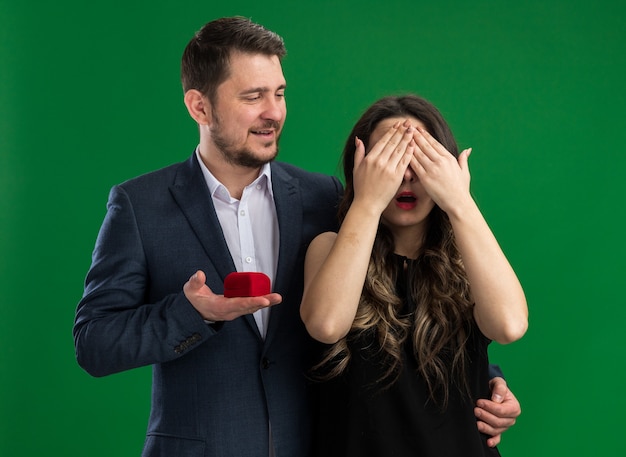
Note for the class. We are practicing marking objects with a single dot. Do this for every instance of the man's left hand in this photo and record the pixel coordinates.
(495, 416)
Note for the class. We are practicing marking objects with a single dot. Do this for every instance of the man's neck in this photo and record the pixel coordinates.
(234, 177)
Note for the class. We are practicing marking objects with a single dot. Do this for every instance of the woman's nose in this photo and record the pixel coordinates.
(409, 175)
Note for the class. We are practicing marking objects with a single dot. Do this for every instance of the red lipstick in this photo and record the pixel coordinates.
(406, 200)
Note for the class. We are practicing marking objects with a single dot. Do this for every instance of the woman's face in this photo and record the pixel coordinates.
(411, 205)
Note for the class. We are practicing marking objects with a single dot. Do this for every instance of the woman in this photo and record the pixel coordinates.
(408, 293)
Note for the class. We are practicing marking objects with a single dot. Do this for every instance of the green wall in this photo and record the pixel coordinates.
(90, 96)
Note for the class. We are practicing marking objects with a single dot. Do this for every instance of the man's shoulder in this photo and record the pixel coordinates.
(318, 190)
(293, 171)
(161, 177)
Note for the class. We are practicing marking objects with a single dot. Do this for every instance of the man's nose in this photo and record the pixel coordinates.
(274, 109)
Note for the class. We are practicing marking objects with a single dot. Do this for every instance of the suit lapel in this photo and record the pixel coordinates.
(192, 195)
(288, 200)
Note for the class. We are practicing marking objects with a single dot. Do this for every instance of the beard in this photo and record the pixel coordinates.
(243, 156)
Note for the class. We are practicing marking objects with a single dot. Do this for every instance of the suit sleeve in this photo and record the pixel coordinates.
(495, 371)
(115, 329)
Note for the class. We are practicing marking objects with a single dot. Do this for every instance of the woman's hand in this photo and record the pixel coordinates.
(378, 174)
(446, 179)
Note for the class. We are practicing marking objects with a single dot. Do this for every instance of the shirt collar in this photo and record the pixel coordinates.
(218, 190)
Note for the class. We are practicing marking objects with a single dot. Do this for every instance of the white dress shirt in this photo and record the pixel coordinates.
(250, 226)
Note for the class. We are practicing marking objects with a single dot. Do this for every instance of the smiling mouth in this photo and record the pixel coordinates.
(270, 128)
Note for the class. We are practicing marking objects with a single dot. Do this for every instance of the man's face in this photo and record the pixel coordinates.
(249, 110)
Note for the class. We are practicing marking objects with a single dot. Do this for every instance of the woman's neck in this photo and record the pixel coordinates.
(408, 241)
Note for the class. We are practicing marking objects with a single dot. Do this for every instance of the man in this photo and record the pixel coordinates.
(228, 374)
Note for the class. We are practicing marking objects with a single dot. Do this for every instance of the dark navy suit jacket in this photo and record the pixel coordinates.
(215, 387)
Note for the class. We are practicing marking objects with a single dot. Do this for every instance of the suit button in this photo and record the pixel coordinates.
(265, 363)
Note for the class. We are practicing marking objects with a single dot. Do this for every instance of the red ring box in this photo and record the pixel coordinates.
(246, 284)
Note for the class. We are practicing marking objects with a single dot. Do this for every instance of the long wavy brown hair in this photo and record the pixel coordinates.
(438, 285)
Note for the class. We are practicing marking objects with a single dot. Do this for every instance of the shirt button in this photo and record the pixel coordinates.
(248, 259)
(258, 186)
(242, 212)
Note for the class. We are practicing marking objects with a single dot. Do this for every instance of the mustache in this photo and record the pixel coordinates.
(268, 125)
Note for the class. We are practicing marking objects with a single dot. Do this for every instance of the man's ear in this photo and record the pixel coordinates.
(198, 106)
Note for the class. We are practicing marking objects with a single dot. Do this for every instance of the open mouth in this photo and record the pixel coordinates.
(406, 201)
(406, 197)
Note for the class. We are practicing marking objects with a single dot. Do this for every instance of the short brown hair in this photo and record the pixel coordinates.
(206, 59)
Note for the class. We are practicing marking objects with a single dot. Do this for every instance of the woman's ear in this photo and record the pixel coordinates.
(198, 106)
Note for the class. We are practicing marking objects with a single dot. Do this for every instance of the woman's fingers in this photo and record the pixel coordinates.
(379, 172)
(429, 147)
